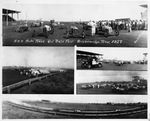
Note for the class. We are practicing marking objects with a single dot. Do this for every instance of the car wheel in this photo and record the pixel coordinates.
(21, 30)
(13, 29)
(45, 32)
(89, 66)
(82, 66)
(34, 33)
(116, 32)
(52, 31)
(96, 31)
(100, 65)
(106, 33)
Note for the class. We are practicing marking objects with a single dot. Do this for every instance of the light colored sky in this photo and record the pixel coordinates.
(75, 11)
(81, 99)
(118, 53)
(97, 75)
(54, 57)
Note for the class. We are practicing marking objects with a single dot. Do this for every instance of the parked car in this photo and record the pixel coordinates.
(20, 28)
(45, 30)
(74, 33)
(105, 30)
(91, 62)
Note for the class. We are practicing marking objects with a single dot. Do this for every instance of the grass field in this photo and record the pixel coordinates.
(106, 90)
(62, 83)
(11, 112)
(9, 76)
(125, 39)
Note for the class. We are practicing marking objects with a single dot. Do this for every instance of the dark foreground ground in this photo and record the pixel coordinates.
(9, 111)
(136, 38)
(10, 76)
(62, 83)
(111, 66)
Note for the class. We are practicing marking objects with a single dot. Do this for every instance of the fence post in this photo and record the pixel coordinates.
(8, 89)
(29, 82)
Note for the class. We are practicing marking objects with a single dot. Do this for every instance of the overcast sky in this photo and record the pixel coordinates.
(74, 11)
(117, 53)
(81, 99)
(97, 75)
(54, 57)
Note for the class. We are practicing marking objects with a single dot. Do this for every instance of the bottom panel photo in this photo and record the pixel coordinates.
(74, 107)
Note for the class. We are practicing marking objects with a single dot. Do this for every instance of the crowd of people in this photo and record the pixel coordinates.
(124, 25)
(128, 25)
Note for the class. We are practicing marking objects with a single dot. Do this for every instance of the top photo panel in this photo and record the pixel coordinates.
(106, 24)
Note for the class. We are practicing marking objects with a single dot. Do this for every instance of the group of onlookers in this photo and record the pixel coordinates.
(125, 25)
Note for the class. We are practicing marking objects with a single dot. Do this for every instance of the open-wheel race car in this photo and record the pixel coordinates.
(91, 62)
(107, 31)
(86, 26)
(35, 24)
(44, 30)
(74, 33)
(20, 28)
(118, 63)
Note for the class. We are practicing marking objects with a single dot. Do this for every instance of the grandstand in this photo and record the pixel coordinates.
(8, 18)
(144, 14)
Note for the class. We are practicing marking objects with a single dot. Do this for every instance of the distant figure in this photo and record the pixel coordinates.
(129, 27)
(93, 27)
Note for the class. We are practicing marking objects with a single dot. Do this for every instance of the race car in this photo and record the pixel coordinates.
(20, 28)
(74, 33)
(86, 26)
(87, 86)
(45, 30)
(35, 24)
(118, 63)
(91, 62)
(106, 31)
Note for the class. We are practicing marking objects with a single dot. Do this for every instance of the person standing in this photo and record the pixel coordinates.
(129, 27)
(93, 27)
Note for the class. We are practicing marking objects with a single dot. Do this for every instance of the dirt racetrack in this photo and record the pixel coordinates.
(136, 38)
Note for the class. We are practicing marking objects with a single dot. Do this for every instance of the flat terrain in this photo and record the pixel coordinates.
(11, 112)
(136, 38)
(111, 66)
(106, 90)
(10, 76)
(61, 83)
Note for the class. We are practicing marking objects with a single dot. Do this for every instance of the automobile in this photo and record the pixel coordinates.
(44, 30)
(20, 28)
(74, 33)
(87, 86)
(35, 24)
(35, 72)
(107, 31)
(24, 72)
(118, 63)
(61, 26)
(105, 61)
(91, 62)
(86, 26)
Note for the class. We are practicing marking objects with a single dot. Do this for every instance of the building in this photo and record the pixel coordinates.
(8, 16)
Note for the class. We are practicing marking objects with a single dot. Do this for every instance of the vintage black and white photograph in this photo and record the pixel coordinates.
(104, 24)
(38, 70)
(95, 58)
(74, 107)
(112, 82)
